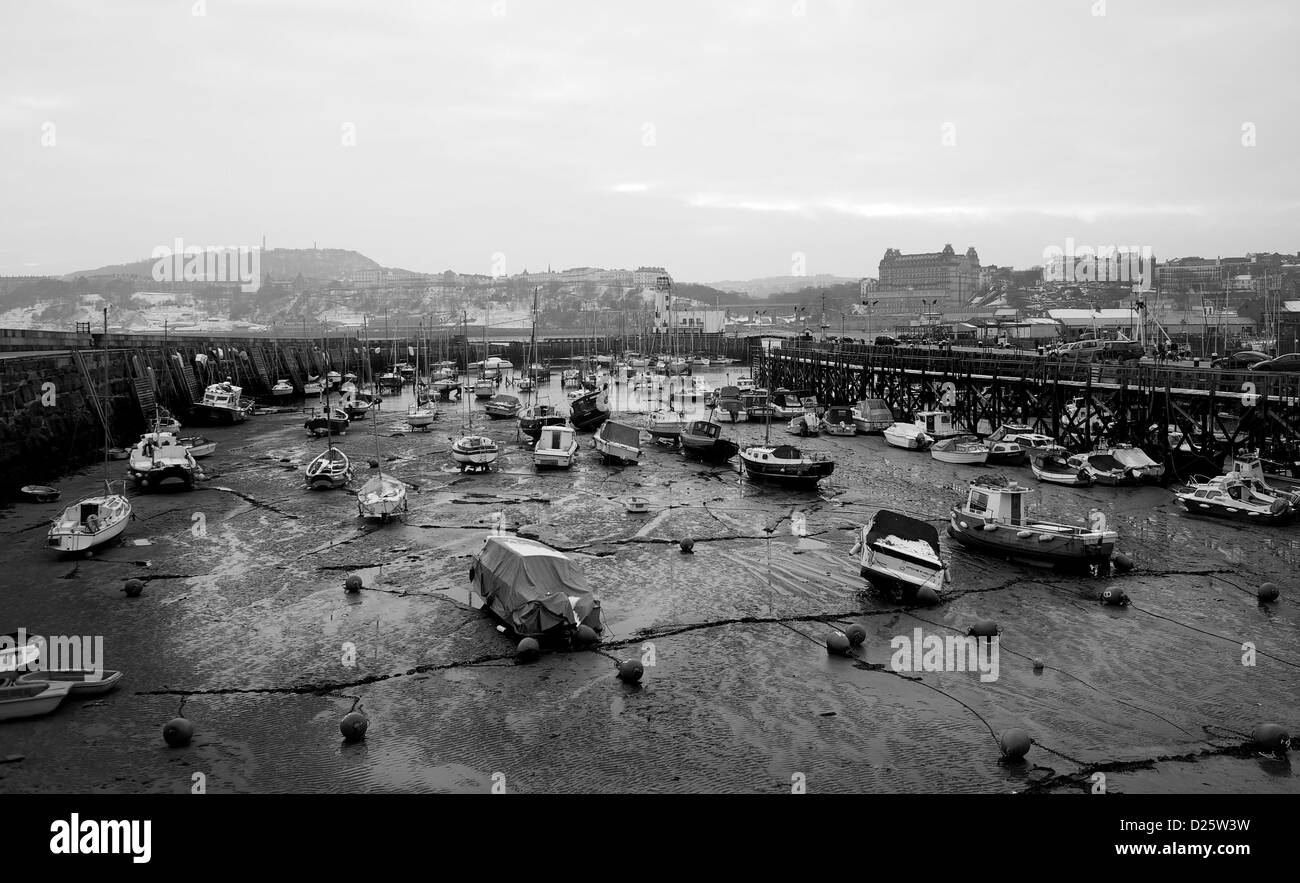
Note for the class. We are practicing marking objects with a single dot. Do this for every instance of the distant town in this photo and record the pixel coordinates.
(1222, 301)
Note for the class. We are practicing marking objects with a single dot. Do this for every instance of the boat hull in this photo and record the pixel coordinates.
(715, 450)
(910, 440)
(549, 459)
(32, 698)
(788, 473)
(1026, 544)
(81, 683)
(1068, 479)
(1232, 513)
(613, 452)
(967, 458)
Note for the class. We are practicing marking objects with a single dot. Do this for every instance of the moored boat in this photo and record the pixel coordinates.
(589, 410)
(786, 464)
(199, 446)
(381, 498)
(282, 388)
(804, 425)
(420, 416)
(618, 442)
(758, 405)
(332, 469)
(91, 521)
(1022, 435)
(1104, 469)
(535, 591)
(32, 698)
(1238, 497)
(1005, 453)
(965, 449)
(81, 682)
(223, 403)
(503, 407)
(901, 554)
(476, 452)
(838, 420)
(556, 447)
(484, 388)
(907, 436)
(314, 386)
(703, 439)
(1135, 461)
(39, 493)
(535, 417)
(994, 519)
(160, 457)
(1058, 466)
(331, 422)
(729, 402)
(666, 426)
(872, 415)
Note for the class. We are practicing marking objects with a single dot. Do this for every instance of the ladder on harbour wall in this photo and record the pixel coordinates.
(92, 391)
(191, 381)
(143, 384)
(261, 367)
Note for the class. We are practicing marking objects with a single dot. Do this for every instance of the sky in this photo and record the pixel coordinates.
(721, 140)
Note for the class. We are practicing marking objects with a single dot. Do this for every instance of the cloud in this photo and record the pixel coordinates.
(630, 188)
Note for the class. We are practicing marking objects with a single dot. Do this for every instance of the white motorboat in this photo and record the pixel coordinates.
(31, 698)
(901, 554)
(556, 446)
(907, 436)
(746, 384)
(313, 387)
(666, 426)
(332, 469)
(199, 446)
(381, 498)
(1025, 437)
(484, 388)
(282, 388)
(160, 457)
(839, 420)
(872, 415)
(804, 425)
(81, 682)
(618, 442)
(223, 403)
(1056, 465)
(965, 449)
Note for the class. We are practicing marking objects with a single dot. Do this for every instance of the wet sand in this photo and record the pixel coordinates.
(249, 623)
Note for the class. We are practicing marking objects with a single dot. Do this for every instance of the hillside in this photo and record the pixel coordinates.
(769, 285)
(314, 264)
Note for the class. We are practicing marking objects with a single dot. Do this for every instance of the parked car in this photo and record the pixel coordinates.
(1284, 362)
(886, 340)
(1243, 359)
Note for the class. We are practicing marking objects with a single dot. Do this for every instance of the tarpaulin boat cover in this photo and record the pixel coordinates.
(621, 433)
(887, 524)
(1133, 458)
(535, 590)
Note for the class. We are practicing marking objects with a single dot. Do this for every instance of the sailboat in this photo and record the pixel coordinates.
(534, 418)
(418, 415)
(97, 519)
(785, 463)
(528, 382)
(383, 496)
(473, 451)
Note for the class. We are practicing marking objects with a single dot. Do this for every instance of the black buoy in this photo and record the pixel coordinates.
(178, 732)
(1014, 744)
(1272, 738)
(687, 546)
(1038, 665)
(374, 464)
(1267, 593)
(630, 671)
(838, 642)
(1114, 598)
(133, 588)
(353, 584)
(985, 628)
(927, 596)
(527, 650)
(1123, 563)
(585, 636)
(856, 634)
(353, 726)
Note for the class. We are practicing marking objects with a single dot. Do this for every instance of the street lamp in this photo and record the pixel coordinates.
(869, 304)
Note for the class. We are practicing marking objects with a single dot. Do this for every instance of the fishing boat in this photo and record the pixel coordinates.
(1237, 497)
(1104, 469)
(333, 379)
(538, 371)
(666, 426)
(786, 463)
(994, 519)
(900, 554)
(31, 698)
(936, 424)
(637, 505)
(964, 449)
(314, 386)
(1005, 453)
(1135, 461)
(160, 457)
(618, 442)
(358, 405)
(484, 388)
(533, 590)
(535, 417)
(787, 405)
(525, 384)
(699, 362)
(199, 446)
(703, 439)
(1058, 466)
(223, 403)
(804, 425)
(331, 421)
(82, 683)
(1250, 465)
(39, 493)
(872, 415)
(907, 436)
(349, 384)
(476, 452)
(839, 420)
(332, 469)
(758, 405)
(1022, 435)
(282, 388)
(729, 402)
(503, 407)
(555, 447)
(165, 422)
(746, 384)
(589, 410)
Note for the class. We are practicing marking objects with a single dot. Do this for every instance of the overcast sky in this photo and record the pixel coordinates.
(717, 139)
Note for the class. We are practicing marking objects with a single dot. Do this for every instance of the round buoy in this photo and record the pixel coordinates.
(856, 634)
(527, 650)
(687, 546)
(178, 732)
(1267, 593)
(1123, 563)
(133, 588)
(1014, 744)
(585, 636)
(630, 671)
(353, 584)
(353, 726)
(1038, 664)
(838, 642)
(927, 596)
(374, 464)
(1114, 598)
(1271, 737)
(985, 628)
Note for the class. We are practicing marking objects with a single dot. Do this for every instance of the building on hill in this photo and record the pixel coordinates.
(926, 282)
(652, 278)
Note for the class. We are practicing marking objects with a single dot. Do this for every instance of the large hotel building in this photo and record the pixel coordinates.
(928, 283)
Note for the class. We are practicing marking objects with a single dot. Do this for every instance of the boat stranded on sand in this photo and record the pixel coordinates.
(535, 591)
(901, 554)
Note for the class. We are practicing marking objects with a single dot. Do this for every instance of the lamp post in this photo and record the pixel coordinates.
(869, 304)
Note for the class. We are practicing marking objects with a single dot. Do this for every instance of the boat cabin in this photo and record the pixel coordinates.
(936, 424)
(1003, 503)
(222, 395)
(705, 428)
(839, 414)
